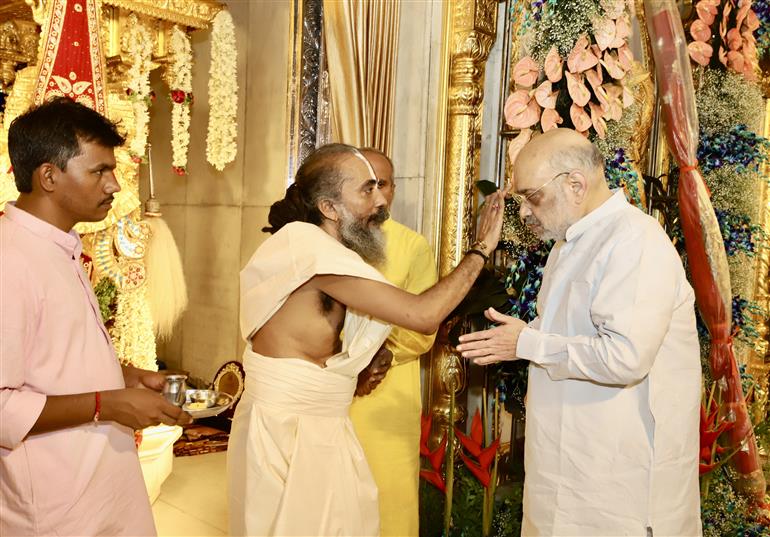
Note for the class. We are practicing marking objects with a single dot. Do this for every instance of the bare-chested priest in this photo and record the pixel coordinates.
(314, 311)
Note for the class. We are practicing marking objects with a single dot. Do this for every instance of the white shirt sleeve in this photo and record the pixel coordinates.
(629, 309)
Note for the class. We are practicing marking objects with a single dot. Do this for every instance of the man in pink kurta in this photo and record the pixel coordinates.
(68, 464)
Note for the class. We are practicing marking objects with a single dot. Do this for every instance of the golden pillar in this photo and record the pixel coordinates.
(471, 30)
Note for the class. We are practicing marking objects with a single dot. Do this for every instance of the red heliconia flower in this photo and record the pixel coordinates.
(178, 96)
(473, 442)
(482, 475)
(426, 422)
(434, 478)
(436, 457)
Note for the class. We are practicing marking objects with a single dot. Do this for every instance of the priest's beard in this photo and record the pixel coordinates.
(361, 236)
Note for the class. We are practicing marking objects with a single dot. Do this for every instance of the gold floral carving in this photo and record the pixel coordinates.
(472, 33)
(18, 45)
(193, 13)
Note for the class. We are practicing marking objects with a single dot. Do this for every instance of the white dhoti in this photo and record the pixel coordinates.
(295, 466)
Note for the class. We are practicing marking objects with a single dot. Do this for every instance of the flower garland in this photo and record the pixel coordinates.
(736, 47)
(180, 82)
(139, 43)
(223, 93)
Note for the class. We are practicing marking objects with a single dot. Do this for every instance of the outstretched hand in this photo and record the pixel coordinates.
(495, 344)
(491, 220)
(371, 377)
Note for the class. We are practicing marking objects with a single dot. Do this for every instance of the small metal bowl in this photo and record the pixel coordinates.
(208, 397)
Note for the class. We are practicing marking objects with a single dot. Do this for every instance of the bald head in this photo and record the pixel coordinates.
(559, 150)
(560, 176)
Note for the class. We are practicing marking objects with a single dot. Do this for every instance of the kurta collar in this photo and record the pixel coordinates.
(69, 242)
(616, 202)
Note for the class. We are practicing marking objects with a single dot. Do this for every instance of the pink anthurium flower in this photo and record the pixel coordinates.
(743, 11)
(581, 57)
(553, 65)
(580, 119)
(614, 105)
(700, 31)
(550, 119)
(600, 126)
(734, 39)
(612, 65)
(752, 21)
(604, 32)
(595, 77)
(706, 12)
(515, 146)
(515, 104)
(700, 52)
(735, 61)
(723, 24)
(622, 31)
(544, 96)
(577, 89)
(626, 57)
(518, 116)
(525, 72)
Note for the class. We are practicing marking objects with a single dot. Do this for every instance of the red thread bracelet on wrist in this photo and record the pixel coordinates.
(98, 407)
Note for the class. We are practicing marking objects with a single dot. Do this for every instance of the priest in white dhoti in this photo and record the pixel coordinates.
(310, 304)
(611, 439)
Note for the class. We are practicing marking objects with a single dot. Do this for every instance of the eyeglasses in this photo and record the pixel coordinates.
(525, 199)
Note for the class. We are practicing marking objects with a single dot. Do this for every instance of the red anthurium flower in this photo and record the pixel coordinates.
(481, 474)
(434, 478)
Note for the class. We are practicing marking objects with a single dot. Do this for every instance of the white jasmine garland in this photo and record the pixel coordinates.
(180, 82)
(139, 43)
(221, 144)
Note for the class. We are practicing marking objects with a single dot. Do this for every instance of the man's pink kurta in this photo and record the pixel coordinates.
(83, 480)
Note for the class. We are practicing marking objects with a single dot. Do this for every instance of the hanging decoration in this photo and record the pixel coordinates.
(221, 144)
(138, 41)
(179, 73)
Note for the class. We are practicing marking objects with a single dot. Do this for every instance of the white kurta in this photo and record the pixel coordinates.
(614, 384)
(294, 464)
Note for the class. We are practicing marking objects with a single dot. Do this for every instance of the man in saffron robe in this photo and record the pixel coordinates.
(387, 421)
(295, 466)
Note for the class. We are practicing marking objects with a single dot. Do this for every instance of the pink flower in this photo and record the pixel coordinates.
(580, 119)
(521, 110)
(735, 61)
(706, 11)
(600, 126)
(515, 146)
(553, 65)
(611, 63)
(581, 58)
(752, 21)
(604, 32)
(614, 109)
(734, 40)
(577, 89)
(595, 77)
(544, 96)
(525, 72)
(743, 10)
(700, 52)
(622, 31)
(700, 31)
(550, 119)
(722, 55)
(626, 57)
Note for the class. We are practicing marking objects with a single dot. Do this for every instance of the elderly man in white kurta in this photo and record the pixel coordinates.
(614, 379)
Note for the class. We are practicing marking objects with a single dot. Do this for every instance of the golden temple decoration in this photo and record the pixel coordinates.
(472, 32)
(118, 243)
(193, 13)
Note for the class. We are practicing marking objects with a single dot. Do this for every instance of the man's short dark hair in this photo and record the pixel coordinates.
(52, 132)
